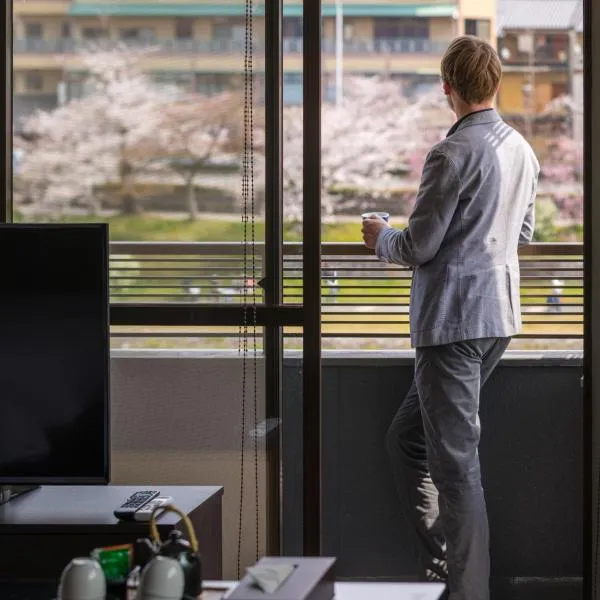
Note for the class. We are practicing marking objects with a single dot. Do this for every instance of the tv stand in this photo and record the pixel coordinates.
(9, 492)
(58, 523)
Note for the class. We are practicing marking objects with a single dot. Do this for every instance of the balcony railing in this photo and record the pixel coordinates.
(377, 46)
(176, 46)
(549, 55)
(361, 297)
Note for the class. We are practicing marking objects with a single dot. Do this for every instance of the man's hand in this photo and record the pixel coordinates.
(372, 226)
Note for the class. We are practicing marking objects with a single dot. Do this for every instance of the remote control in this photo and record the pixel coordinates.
(144, 513)
(126, 511)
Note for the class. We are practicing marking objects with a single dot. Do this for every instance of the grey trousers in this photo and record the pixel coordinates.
(432, 443)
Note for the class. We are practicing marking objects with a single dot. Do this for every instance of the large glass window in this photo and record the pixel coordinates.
(127, 125)
(34, 31)
(154, 136)
(389, 111)
(168, 162)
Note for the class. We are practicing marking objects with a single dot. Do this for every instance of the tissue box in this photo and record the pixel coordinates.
(312, 579)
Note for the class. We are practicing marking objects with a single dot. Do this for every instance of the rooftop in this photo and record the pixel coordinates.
(540, 14)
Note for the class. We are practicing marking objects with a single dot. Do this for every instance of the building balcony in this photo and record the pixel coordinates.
(369, 56)
(554, 54)
(180, 46)
(378, 46)
(175, 420)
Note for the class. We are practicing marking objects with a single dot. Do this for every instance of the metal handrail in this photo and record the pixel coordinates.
(361, 296)
(295, 248)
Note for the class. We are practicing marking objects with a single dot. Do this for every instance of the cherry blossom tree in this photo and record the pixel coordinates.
(126, 131)
(55, 167)
(106, 137)
(375, 136)
(126, 128)
(125, 104)
(198, 132)
(561, 174)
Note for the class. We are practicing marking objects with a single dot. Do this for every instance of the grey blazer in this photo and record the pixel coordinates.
(474, 208)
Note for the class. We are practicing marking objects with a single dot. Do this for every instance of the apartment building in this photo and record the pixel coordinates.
(199, 44)
(541, 45)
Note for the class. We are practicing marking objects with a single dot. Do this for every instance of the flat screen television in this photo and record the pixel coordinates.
(54, 354)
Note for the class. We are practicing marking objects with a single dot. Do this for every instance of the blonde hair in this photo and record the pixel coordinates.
(472, 67)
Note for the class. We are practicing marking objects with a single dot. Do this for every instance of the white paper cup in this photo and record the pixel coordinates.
(384, 215)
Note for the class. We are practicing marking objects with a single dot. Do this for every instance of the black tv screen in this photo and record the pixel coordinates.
(54, 354)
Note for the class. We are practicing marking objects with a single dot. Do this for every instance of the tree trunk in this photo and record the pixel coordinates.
(94, 205)
(191, 199)
(129, 203)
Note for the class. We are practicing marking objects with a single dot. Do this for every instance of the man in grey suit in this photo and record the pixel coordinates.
(474, 208)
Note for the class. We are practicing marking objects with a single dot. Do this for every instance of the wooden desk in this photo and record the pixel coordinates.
(43, 530)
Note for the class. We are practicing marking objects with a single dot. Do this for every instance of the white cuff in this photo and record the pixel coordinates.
(381, 244)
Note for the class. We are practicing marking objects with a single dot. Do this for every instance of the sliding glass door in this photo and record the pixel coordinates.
(170, 128)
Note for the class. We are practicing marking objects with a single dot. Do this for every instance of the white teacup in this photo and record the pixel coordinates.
(82, 579)
(161, 579)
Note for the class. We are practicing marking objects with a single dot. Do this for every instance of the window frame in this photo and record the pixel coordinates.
(479, 24)
(33, 76)
(186, 26)
(97, 33)
(39, 35)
